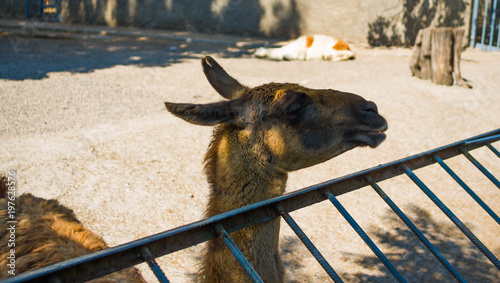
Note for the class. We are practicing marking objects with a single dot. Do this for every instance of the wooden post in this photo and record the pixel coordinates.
(436, 56)
(441, 56)
(457, 76)
(420, 63)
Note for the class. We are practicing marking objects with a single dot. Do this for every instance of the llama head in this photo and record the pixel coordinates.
(295, 126)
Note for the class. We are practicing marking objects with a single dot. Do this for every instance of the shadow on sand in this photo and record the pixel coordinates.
(33, 58)
(410, 257)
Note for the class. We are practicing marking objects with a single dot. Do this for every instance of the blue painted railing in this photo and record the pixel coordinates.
(485, 34)
(147, 249)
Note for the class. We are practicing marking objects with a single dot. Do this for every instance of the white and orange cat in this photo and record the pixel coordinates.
(316, 47)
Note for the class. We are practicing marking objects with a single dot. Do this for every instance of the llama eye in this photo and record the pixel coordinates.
(293, 110)
(291, 106)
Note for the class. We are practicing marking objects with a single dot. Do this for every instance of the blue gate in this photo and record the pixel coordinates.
(485, 25)
(148, 249)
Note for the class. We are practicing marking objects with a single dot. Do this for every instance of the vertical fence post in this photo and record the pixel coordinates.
(498, 36)
(485, 22)
(475, 12)
(495, 151)
(365, 237)
(416, 231)
(310, 246)
(481, 168)
(26, 9)
(238, 254)
(153, 265)
(452, 217)
(492, 22)
(467, 189)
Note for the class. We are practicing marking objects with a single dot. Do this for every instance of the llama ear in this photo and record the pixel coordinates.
(207, 114)
(223, 83)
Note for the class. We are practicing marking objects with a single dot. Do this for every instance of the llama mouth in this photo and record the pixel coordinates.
(369, 137)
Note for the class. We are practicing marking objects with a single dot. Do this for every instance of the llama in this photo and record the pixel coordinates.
(47, 233)
(316, 47)
(262, 134)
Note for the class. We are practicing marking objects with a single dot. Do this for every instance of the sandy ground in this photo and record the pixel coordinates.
(83, 121)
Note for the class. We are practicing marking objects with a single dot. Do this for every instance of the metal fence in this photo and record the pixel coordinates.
(485, 25)
(148, 249)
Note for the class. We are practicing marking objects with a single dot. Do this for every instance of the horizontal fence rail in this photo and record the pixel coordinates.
(148, 249)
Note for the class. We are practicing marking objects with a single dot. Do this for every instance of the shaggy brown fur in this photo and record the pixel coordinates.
(263, 133)
(47, 233)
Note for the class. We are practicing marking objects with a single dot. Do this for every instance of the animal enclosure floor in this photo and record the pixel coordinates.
(83, 121)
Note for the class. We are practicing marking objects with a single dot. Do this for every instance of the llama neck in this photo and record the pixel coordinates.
(241, 171)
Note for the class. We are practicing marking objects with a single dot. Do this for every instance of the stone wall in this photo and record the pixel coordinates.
(380, 22)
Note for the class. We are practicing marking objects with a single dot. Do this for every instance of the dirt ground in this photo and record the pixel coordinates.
(82, 120)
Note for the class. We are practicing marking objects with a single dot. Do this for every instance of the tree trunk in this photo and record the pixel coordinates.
(436, 56)
(457, 76)
(441, 56)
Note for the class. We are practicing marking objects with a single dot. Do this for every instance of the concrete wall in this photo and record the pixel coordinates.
(382, 22)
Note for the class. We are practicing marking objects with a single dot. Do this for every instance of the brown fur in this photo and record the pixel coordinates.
(309, 41)
(263, 133)
(341, 45)
(48, 233)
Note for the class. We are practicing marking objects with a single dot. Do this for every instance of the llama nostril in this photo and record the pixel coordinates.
(370, 107)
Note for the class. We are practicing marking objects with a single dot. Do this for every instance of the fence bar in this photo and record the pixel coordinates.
(365, 237)
(153, 265)
(498, 36)
(26, 10)
(417, 232)
(475, 12)
(485, 24)
(467, 189)
(491, 138)
(237, 254)
(452, 217)
(492, 22)
(495, 151)
(310, 246)
(481, 168)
